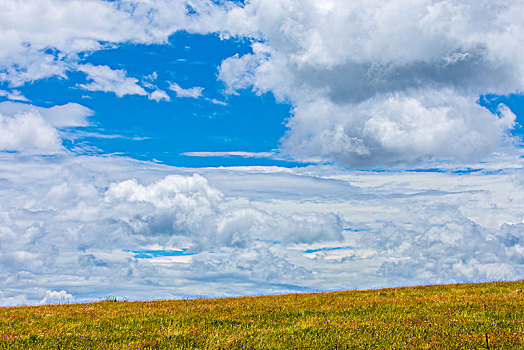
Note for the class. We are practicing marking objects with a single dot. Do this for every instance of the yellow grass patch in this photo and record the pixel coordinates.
(428, 317)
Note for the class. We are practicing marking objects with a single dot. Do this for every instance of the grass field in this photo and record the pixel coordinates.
(468, 316)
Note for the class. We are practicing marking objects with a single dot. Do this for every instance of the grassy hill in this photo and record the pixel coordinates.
(467, 316)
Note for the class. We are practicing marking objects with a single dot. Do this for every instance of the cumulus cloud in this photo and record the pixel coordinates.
(56, 297)
(16, 300)
(194, 92)
(76, 224)
(433, 59)
(43, 38)
(29, 133)
(32, 27)
(77, 228)
(65, 116)
(103, 78)
(259, 265)
(188, 207)
(397, 127)
(159, 95)
(169, 192)
(458, 250)
(365, 77)
(13, 95)
(29, 129)
(360, 98)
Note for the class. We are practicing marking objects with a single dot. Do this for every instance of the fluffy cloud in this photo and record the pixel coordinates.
(159, 95)
(69, 115)
(31, 28)
(260, 265)
(386, 46)
(362, 98)
(369, 78)
(103, 78)
(458, 250)
(29, 129)
(397, 127)
(76, 227)
(16, 300)
(13, 95)
(194, 92)
(188, 209)
(40, 39)
(28, 133)
(56, 297)
(78, 224)
(106, 79)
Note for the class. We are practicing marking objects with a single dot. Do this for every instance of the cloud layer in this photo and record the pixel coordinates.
(28, 132)
(367, 80)
(43, 38)
(36, 130)
(382, 82)
(72, 228)
(400, 127)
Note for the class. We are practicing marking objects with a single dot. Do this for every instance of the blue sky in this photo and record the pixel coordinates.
(216, 121)
(163, 130)
(171, 149)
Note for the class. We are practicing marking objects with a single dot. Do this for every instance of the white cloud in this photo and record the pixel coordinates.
(410, 52)
(103, 78)
(56, 297)
(28, 133)
(72, 223)
(216, 102)
(397, 127)
(418, 54)
(243, 72)
(159, 95)
(259, 265)
(13, 95)
(64, 116)
(37, 130)
(40, 130)
(173, 191)
(194, 92)
(42, 38)
(16, 300)
(229, 154)
(189, 207)
(31, 27)
(365, 77)
(438, 253)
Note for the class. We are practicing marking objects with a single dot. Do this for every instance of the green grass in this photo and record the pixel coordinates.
(429, 317)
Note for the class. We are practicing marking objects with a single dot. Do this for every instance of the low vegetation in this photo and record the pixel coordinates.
(468, 316)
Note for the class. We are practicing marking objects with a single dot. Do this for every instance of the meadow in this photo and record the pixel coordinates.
(461, 316)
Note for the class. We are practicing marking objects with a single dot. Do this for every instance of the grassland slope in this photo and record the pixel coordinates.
(462, 316)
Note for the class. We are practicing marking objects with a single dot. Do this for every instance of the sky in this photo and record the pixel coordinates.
(159, 149)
